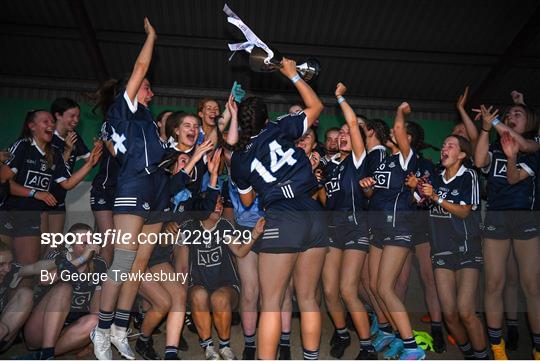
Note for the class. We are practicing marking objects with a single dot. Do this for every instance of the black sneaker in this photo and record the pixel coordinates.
(284, 353)
(512, 339)
(366, 355)
(339, 345)
(249, 353)
(183, 345)
(439, 344)
(146, 349)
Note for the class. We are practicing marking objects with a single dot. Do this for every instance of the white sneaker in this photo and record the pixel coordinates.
(211, 354)
(120, 341)
(102, 343)
(227, 353)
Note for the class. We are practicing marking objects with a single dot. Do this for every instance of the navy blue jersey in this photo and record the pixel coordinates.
(135, 136)
(109, 165)
(211, 262)
(390, 193)
(272, 165)
(343, 192)
(374, 158)
(451, 234)
(537, 192)
(29, 163)
(503, 195)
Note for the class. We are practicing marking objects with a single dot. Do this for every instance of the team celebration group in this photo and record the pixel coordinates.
(267, 217)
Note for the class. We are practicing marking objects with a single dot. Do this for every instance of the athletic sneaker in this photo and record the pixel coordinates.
(382, 339)
(366, 355)
(439, 345)
(249, 353)
(394, 350)
(120, 341)
(536, 354)
(102, 343)
(499, 351)
(374, 328)
(210, 353)
(412, 354)
(227, 353)
(339, 345)
(284, 353)
(146, 349)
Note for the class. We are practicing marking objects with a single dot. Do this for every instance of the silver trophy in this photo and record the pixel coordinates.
(258, 63)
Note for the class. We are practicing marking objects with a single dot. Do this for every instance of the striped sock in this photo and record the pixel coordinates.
(311, 355)
(410, 343)
(205, 343)
(365, 344)
(171, 352)
(121, 319)
(495, 335)
(285, 339)
(481, 355)
(385, 327)
(343, 333)
(224, 343)
(105, 319)
(536, 341)
(249, 341)
(144, 338)
(511, 323)
(466, 350)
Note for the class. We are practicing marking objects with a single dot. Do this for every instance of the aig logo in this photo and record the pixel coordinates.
(382, 179)
(37, 180)
(500, 168)
(439, 212)
(210, 257)
(332, 186)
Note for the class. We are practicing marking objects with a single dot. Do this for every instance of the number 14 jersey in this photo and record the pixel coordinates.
(271, 164)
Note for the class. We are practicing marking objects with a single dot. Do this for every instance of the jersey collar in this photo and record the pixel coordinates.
(58, 135)
(37, 147)
(460, 172)
(380, 146)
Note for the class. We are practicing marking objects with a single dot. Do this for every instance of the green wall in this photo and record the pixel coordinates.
(13, 110)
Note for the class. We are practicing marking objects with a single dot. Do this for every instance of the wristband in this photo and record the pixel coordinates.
(485, 130)
(295, 78)
(439, 201)
(495, 121)
(32, 193)
(340, 99)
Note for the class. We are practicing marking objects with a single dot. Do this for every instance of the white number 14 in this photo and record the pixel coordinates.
(278, 158)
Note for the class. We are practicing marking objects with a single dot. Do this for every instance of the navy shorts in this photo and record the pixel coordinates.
(457, 261)
(20, 223)
(390, 229)
(102, 199)
(294, 225)
(147, 197)
(509, 224)
(350, 232)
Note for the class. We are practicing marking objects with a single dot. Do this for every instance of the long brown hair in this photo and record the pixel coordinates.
(26, 133)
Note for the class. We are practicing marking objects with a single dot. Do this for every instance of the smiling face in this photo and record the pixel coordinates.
(208, 112)
(42, 127)
(331, 142)
(307, 142)
(188, 131)
(85, 237)
(218, 210)
(70, 118)
(516, 119)
(344, 139)
(451, 152)
(145, 94)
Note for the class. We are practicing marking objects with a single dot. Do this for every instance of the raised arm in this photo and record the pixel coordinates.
(400, 129)
(525, 145)
(467, 121)
(481, 153)
(142, 63)
(511, 150)
(232, 134)
(79, 175)
(358, 147)
(314, 106)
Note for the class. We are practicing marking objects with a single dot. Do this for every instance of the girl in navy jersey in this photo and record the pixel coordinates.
(509, 220)
(391, 201)
(34, 166)
(350, 242)
(456, 249)
(268, 164)
(140, 200)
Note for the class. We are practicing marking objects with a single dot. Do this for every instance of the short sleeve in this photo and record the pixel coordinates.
(470, 189)
(61, 168)
(529, 163)
(121, 112)
(240, 179)
(82, 151)
(293, 126)
(17, 152)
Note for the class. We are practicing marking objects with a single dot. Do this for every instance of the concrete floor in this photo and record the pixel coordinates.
(414, 302)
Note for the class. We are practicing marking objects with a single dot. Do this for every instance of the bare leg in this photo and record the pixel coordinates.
(223, 301)
(422, 252)
(247, 269)
(57, 222)
(374, 258)
(16, 313)
(403, 279)
(105, 221)
(527, 252)
(447, 289)
(496, 253)
(160, 302)
(200, 311)
(467, 280)
(330, 281)
(76, 335)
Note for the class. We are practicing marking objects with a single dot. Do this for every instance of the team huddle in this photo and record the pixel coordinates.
(263, 216)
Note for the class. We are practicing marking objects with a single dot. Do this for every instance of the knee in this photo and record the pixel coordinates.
(162, 302)
(451, 318)
(531, 287)
(250, 295)
(89, 322)
(494, 286)
(24, 297)
(121, 266)
(348, 293)
(221, 301)
(198, 298)
(467, 316)
(63, 290)
(383, 290)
